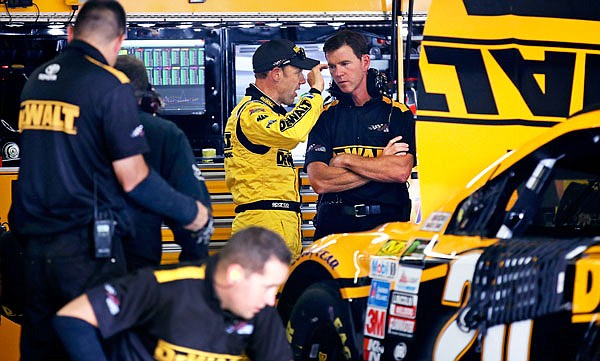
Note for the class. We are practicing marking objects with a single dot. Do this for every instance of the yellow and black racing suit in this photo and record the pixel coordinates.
(259, 169)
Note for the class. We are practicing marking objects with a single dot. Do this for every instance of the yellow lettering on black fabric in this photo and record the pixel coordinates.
(295, 115)
(166, 351)
(369, 152)
(48, 115)
(189, 272)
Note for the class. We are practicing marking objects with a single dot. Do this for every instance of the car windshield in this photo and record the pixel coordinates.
(564, 203)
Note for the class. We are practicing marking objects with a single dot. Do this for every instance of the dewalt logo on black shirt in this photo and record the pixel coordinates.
(363, 151)
(166, 351)
(48, 115)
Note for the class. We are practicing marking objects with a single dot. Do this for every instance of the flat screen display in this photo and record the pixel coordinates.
(176, 69)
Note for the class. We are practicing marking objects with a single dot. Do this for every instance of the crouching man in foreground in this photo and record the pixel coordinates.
(218, 308)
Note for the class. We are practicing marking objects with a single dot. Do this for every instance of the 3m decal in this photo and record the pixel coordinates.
(375, 322)
(379, 294)
(383, 268)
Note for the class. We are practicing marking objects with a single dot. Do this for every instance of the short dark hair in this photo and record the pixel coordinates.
(106, 17)
(136, 71)
(354, 40)
(252, 247)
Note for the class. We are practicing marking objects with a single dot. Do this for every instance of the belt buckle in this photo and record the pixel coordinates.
(358, 208)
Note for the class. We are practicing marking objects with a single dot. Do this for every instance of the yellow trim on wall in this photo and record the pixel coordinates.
(225, 6)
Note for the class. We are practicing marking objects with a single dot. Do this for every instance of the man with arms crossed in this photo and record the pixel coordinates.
(361, 152)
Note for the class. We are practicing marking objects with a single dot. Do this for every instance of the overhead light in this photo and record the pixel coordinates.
(146, 25)
(308, 24)
(56, 25)
(56, 32)
(211, 25)
(274, 24)
(185, 25)
(336, 24)
(15, 24)
(246, 25)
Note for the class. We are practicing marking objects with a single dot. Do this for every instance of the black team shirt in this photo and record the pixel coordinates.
(77, 116)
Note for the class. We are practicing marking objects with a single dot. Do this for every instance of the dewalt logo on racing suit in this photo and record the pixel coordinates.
(295, 115)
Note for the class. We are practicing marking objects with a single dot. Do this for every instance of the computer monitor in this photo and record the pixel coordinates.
(176, 69)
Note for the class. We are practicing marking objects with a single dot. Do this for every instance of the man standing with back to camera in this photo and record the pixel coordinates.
(259, 137)
(82, 150)
(172, 157)
(361, 152)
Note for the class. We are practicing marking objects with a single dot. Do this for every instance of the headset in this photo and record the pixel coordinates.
(377, 85)
(150, 100)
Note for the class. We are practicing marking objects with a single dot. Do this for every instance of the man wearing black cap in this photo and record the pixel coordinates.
(259, 137)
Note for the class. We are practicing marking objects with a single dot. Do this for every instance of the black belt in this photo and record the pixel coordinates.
(363, 210)
(269, 205)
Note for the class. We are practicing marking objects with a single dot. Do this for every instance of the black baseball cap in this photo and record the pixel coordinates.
(280, 52)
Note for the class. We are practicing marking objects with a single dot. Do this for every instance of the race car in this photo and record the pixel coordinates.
(509, 269)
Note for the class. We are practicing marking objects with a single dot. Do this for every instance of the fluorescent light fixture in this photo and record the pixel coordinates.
(56, 32)
(15, 24)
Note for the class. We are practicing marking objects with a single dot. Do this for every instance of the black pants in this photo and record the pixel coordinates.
(329, 219)
(59, 268)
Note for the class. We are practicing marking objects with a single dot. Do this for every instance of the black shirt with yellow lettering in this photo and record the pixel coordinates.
(346, 128)
(77, 116)
(173, 313)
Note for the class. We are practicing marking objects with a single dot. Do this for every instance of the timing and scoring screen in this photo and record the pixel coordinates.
(176, 70)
